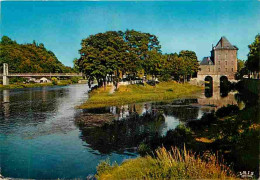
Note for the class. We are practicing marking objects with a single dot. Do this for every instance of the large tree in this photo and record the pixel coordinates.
(253, 61)
(191, 63)
(102, 54)
(112, 52)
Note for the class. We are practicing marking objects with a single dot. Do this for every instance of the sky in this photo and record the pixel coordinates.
(179, 25)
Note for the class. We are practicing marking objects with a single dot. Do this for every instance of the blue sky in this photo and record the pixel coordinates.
(179, 25)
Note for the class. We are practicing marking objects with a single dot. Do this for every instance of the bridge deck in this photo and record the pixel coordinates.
(43, 74)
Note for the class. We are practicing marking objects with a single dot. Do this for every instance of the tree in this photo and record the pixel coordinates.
(241, 69)
(191, 62)
(107, 54)
(5, 40)
(29, 57)
(140, 45)
(75, 65)
(253, 61)
(153, 63)
(102, 55)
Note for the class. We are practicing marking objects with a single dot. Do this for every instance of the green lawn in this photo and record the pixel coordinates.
(137, 93)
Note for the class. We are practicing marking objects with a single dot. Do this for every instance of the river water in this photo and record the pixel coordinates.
(39, 138)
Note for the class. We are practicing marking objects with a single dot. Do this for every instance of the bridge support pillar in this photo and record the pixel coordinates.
(5, 80)
(5, 74)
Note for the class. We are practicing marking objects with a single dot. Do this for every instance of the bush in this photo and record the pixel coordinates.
(15, 80)
(227, 111)
(74, 80)
(54, 81)
(174, 164)
(144, 149)
(165, 77)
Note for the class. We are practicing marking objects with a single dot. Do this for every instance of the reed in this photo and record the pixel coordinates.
(173, 164)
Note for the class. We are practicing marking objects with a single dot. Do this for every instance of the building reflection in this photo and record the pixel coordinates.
(217, 98)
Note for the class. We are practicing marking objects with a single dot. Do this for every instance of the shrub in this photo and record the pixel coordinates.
(15, 80)
(54, 81)
(174, 164)
(227, 111)
(144, 149)
(74, 80)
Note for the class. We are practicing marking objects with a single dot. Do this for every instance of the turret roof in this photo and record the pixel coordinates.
(223, 43)
(206, 61)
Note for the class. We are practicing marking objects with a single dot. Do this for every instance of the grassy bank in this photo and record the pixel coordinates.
(21, 85)
(138, 93)
(174, 164)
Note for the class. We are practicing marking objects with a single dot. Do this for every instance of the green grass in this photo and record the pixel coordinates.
(30, 85)
(138, 93)
(174, 164)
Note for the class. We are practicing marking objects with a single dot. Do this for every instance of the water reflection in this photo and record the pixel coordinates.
(217, 98)
(37, 111)
(136, 123)
(5, 103)
(37, 125)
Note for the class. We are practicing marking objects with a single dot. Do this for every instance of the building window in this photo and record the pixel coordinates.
(218, 69)
(226, 69)
(232, 69)
(219, 63)
(226, 62)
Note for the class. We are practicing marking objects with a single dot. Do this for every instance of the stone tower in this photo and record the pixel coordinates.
(222, 62)
(224, 57)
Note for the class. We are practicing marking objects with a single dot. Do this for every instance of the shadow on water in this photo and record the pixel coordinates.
(123, 135)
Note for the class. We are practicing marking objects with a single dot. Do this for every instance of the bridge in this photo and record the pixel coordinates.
(6, 74)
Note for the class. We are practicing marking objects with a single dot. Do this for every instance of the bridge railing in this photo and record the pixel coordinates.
(42, 74)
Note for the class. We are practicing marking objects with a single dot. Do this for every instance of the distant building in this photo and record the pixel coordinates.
(222, 62)
(43, 80)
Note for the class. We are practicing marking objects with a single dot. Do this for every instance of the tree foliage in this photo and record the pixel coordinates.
(253, 61)
(132, 53)
(33, 58)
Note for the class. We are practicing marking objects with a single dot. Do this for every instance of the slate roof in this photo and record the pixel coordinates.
(223, 43)
(206, 61)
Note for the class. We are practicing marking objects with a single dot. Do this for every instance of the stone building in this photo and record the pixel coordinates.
(221, 63)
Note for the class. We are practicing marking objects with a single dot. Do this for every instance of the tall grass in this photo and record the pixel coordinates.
(173, 164)
(138, 93)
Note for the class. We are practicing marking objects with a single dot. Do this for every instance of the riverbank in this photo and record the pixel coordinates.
(173, 164)
(21, 85)
(129, 94)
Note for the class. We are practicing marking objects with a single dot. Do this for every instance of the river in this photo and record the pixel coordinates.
(39, 138)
